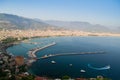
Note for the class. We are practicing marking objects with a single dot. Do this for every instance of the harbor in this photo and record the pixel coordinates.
(70, 54)
(32, 52)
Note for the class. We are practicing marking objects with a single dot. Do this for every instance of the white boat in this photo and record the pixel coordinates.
(70, 64)
(53, 62)
(82, 71)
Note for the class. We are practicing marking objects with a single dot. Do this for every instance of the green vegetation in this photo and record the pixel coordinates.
(24, 38)
(9, 40)
(65, 77)
(22, 68)
(3, 75)
(12, 77)
(30, 77)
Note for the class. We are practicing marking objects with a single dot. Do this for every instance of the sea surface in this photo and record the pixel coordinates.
(62, 67)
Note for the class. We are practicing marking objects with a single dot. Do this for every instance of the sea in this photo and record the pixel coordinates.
(74, 66)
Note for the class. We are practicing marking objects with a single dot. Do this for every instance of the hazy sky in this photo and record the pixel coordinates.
(105, 12)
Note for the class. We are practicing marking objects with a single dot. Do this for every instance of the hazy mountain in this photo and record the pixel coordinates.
(36, 19)
(118, 29)
(76, 25)
(10, 21)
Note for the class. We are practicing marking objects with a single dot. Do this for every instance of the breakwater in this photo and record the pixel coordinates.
(32, 52)
(67, 54)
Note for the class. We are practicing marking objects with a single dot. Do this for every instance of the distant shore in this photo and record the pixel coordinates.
(40, 33)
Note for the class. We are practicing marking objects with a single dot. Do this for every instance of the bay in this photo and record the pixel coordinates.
(73, 44)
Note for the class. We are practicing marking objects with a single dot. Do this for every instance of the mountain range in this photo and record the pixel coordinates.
(83, 26)
(10, 21)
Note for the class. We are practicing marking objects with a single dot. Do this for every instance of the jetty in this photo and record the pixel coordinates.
(32, 52)
(33, 57)
(68, 54)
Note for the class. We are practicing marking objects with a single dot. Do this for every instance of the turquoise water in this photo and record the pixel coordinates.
(44, 67)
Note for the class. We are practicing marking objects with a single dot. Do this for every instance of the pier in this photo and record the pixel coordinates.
(68, 54)
(32, 52)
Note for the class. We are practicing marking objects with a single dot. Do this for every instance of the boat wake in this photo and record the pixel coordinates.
(102, 68)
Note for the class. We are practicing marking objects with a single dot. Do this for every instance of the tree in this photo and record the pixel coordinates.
(65, 77)
(30, 77)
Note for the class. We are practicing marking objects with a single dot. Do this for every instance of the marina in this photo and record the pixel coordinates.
(32, 52)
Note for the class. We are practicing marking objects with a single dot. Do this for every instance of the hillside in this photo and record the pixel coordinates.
(77, 25)
(9, 21)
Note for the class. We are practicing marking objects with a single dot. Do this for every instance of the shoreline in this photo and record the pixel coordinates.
(4, 47)
(12, 44)
(49, 33)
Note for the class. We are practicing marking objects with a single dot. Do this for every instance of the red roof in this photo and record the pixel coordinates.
(40, 78)
(81, 79)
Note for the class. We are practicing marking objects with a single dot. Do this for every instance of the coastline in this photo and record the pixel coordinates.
(12, 64)
(18, 43)
(3, 46)
(19, 34)
(49, 33)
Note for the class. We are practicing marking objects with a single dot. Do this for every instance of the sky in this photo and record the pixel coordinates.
(104, 12)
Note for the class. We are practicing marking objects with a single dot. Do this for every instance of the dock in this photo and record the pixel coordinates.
(33, 57)
(68, 54)
(32, 52)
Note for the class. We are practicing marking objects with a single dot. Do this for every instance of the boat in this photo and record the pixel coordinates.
(70, 64)
(50, 55)
(53, 62)
(82, 71)
(46, 55)
(102, 68)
